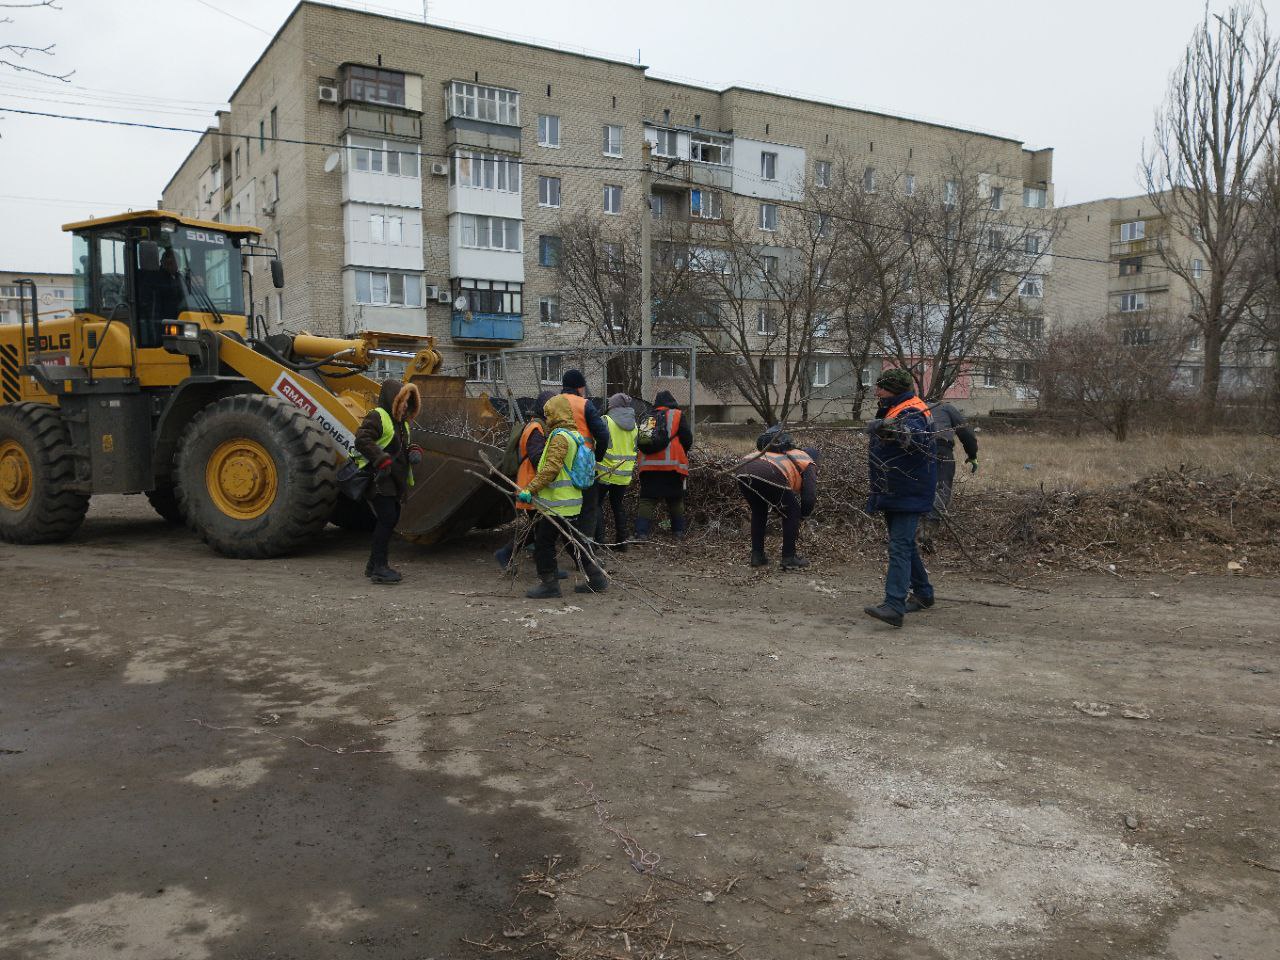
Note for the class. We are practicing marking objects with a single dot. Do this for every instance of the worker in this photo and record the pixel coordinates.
(560, 502)
(592, 428)
(663, 465)
(533, 435)
(615, 470)
(904, 476)
(949, 425)
(383, 441)
(779, 477)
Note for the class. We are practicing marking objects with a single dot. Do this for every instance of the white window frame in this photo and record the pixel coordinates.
(549, 310)
(768, 165)
(1035, 198)
(700, 147)
(547, 373)
(480, 363)
(383, 282)
(769, 217)
(990, 376)
(815, 381)
(549, 192)
(909, 184)
(666, 143)
(485, 171)
(1032, 286)
(822, 174)
(1134, 302)
(475, 231)
(997, 198)
(766, 322)
(1197, 269)
(549, 123)
(768, 264)
(710, 205)
(375, 155)
(611, 140)
(1133, 230)
(1031, 244)
(772, 379)
(950, 192)
(869, 180)
(613, 199)
(477, 101)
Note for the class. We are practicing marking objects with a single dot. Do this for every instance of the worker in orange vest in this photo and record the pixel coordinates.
(780, 477)
(903, 466)
(663, 465)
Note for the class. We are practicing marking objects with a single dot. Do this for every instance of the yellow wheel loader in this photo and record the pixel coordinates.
(160, 384)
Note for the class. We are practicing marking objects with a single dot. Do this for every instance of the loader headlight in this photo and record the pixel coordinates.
(182, 331)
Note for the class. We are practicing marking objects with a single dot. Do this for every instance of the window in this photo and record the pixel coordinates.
(483, 367)
(1031, 244)
(476, 102)
(703, 150)
(387, 157)
(768, 216)
(548, 191)
(611, 254)
(1032, 286)
(381, 288)
(668, 366)
(1130, 266)
(823, 326)
(657, 205)
(612, 198)
(1135, 336)
(822, 226)
(1134, 230)
(995, 240)
(1197, 269)
(548, 130)
(1036, 197)
(1193, 342)
(491, 296)
(768, 166)
(1030, 328)
(275, 185)
(869, 179)
(990, 375)
(766, 322)
(950, 193)
(867, 376)
(909, 184)
(822, 173)
(549, 311)
(615, 315)
(275, 124)
(705, 204)
(371, 85)
(768, 265)
(237, 163)
(820, 373)
(1132, 302)
(549, 368)
(993, 289)
(997, 198)
(490, 233)
(667, 144)
(262, 136)
(549, 251)
(612, 140)
(486, 171)
(768, 370)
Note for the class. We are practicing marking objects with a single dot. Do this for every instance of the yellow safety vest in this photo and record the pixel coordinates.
(620, 462)
(384, 441)
(560, 496)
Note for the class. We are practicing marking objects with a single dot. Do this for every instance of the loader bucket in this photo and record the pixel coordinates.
(461, 437)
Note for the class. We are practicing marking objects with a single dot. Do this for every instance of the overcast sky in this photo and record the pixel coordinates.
(1081, 76)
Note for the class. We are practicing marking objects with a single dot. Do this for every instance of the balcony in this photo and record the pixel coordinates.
(1132, 248)
(487, 327)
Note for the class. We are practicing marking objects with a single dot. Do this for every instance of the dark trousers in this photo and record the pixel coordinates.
(614, 493)
(946, 480)
(386, 511)
(763, 496)
(546, 538)
(586, 520)
(906, 569)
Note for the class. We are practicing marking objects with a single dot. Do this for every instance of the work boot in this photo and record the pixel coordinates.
(886, 613)
(915, 604)
(384, 574)
(548, 588)
(758, 559)
(794, 562)
(368, 568)
(642, 530)
(598, 583)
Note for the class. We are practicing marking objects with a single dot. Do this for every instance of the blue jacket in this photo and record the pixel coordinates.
(903, 470)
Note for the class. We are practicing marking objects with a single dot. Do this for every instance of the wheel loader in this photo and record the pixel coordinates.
(161, 383)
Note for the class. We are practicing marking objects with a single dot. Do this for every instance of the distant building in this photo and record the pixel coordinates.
(55, 293)
(413, 176)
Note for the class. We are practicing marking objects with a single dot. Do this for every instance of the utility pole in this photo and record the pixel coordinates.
(646, 272)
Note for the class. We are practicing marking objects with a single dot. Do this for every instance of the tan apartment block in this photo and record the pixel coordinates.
(414, 177)
(55, 295)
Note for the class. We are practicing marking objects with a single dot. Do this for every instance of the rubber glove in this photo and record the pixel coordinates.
(524, 496)
(973, 464)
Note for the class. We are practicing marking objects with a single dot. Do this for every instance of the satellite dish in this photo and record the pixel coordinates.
(331, 164)
(460, 303)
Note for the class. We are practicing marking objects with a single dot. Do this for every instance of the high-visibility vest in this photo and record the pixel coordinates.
(911, 403)
(560, 496)
(526, 470)
(792, 464)
(674, 457)
(620, 462)
(384, 441)
(579, 407)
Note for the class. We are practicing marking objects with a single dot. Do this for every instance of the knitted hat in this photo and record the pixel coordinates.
(664, 399)
(896, 381)
(619, 400)
(775, 439)
(573, 380)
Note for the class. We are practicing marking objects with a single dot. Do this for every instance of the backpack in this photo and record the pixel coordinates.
(652, 435)
(582, 473)
(510, 464)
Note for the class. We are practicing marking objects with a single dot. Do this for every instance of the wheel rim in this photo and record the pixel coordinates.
(15, 476)
(242, 479)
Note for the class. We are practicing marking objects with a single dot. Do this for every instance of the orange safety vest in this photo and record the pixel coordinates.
(911, 403)
(579, 407)
(527, 469)
(674, 457)
(792, 464)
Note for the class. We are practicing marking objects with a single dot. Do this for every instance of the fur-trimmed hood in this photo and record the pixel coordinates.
(402, 400)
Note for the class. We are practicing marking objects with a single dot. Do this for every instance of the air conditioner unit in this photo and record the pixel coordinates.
(439, 168)
(433, 292)
(444, 297)
(269, 208)
(328, 94)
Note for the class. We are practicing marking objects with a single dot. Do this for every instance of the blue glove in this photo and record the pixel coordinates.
(524, 496)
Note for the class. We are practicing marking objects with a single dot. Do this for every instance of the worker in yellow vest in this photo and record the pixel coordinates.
(383, 446)
(615, 470)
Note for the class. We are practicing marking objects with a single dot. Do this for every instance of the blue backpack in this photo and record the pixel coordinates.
(582, 472)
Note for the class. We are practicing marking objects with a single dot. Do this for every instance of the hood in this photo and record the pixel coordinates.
(540, 405)
(619, 400)
(559, 414)
(775, 440)
(624, 417)
(665, 399)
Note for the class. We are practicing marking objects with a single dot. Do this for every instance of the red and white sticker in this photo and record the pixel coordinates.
(290, 387)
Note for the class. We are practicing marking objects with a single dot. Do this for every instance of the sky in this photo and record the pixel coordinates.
(1082, 76)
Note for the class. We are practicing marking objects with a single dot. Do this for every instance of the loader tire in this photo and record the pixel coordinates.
(353, 515)
(255, 477)
(164, 500)
(36, 467)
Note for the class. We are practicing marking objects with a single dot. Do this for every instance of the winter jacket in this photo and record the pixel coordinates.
(950, 425)
(559, 415)
(903, 464)
(596, 426)
(666, 484)
(757, 466)
(402, 401)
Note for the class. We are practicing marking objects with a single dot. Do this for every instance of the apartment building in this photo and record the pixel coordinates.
(415, 177)
(55, 292)
(1115, 267)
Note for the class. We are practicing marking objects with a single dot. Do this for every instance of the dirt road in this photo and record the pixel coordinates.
(206, 758)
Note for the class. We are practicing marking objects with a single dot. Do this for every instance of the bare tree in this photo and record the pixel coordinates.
(1217, 123)
(14, 55)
